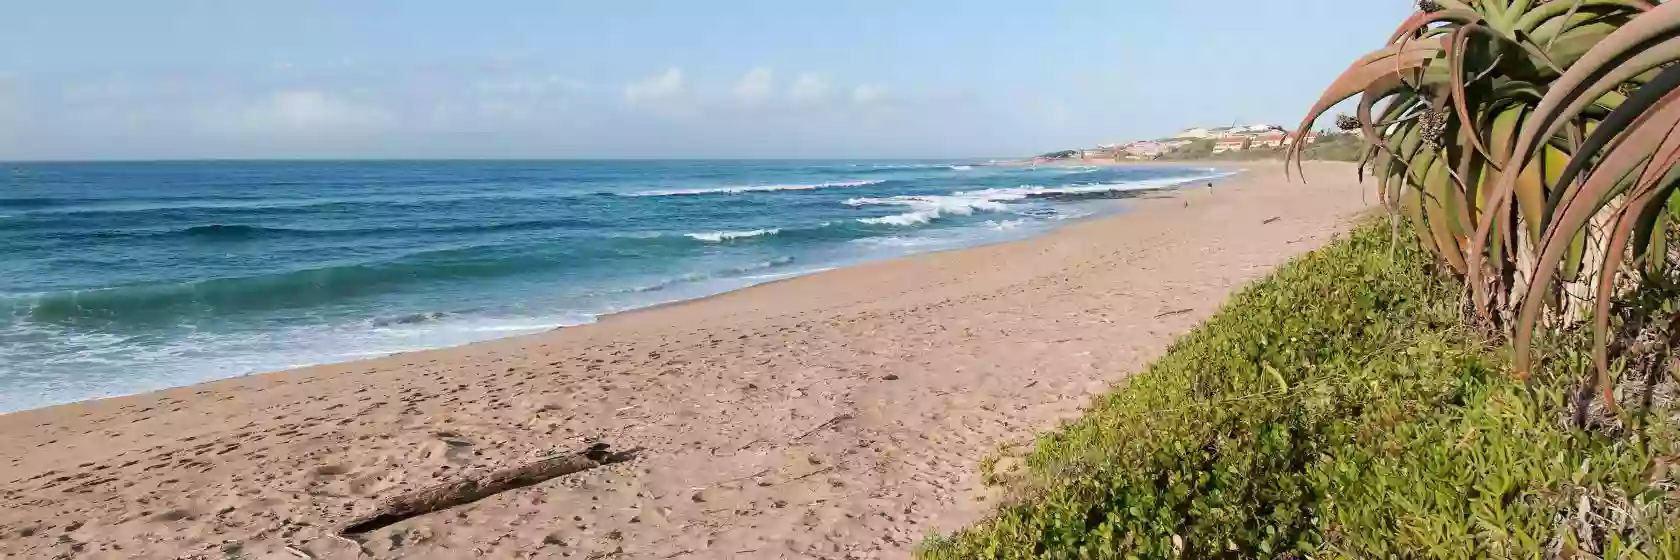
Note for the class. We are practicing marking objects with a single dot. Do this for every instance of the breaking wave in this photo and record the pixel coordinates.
(721, 236)
(755, 188)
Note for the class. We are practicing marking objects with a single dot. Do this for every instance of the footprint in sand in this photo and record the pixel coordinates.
(331, 470)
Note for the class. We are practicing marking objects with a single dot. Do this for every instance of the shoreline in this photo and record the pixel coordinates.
(625, 314)
(611, 315)
(628, 314)
(834, 412)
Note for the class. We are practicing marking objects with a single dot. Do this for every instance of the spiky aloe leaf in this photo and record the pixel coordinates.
(1628, 219)
(1421, 20)
(1438, 193)
(1568, 47)
(1394, 59)
(1650, 243)
(1457, 51)
(1401, 145)
(1388, 86)
(1532, 20)
(1598, 189)
(1462, 165)
(1411, 204)
(1534, 198)
(1379, 166)
(1570, 270)
(1624, 125)
(1641, 44)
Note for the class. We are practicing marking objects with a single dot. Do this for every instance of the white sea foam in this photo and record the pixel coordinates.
(1029, 191)
(906, 219)
(924, 209)
(755, 188)
(893, 242)
(721, 236)
(1004, 225)
(960, 167)
(112, 365)
(909, 166)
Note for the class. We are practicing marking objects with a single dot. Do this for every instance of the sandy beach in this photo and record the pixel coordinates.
(837, 415)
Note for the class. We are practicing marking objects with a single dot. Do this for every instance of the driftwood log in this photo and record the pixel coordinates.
(477, 487)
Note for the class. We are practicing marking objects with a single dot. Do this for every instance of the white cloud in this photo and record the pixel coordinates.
(295, 112)
(308, 109)
(662, 86)
(808, 88)
(514, 111)
(755, 86)
(868, 93)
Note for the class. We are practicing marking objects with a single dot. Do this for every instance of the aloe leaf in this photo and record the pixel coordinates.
(1358, 77)
(1628, 52)
(1558, 236)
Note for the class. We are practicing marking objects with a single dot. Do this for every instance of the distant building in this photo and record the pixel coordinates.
(1176, 144)
(1273, 139)
(1216, 132)
(1312, 138)
(1231, 143)
(1144, 150)
(1204, 133)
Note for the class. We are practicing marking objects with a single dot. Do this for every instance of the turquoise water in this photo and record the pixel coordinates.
(125, 277)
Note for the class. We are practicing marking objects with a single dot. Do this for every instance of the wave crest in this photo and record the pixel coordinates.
(236, 232)
(724, 273)
(756, 188)
(1086, 190)
(924, 209)
(721, 236)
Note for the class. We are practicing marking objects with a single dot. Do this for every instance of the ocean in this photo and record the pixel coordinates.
(119, 278)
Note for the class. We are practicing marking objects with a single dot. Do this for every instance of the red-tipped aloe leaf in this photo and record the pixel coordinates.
(1572, 218)
(1627, 217)
(1358, 77)
(1623, 54)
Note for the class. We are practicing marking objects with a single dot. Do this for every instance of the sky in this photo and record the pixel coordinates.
(190, 79)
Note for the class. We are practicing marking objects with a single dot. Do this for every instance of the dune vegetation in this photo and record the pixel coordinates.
(1487, 373)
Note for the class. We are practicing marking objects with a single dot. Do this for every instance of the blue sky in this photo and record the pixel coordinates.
(180, 79)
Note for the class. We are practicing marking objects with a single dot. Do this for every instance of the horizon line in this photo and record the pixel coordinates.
(483, 159)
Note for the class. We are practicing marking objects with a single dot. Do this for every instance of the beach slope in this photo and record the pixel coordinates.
(836, 415)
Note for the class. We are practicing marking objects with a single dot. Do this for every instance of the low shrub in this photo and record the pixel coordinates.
(1338, 408)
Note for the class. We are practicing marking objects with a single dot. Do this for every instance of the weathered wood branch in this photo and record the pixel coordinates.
(477, 487)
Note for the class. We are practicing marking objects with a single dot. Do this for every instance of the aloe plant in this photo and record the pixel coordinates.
(1532, 144)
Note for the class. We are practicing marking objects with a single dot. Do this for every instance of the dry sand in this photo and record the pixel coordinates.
(837, 415)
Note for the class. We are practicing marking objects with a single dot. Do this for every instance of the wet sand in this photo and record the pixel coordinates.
(837, 415)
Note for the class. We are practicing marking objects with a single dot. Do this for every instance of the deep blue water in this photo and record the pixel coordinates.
(124, 277)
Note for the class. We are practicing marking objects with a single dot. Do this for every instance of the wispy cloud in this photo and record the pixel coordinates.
(295, 112)
(484, 110)
(755, 87)
(808, 88)
(659, 87)
(868, 93)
